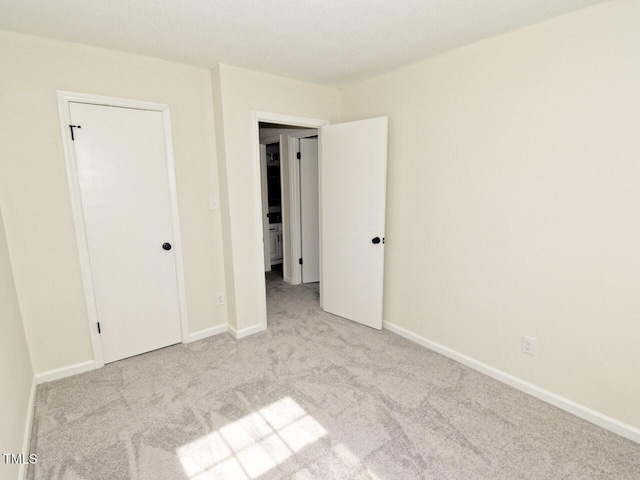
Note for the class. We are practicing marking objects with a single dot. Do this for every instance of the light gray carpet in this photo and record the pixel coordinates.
(315, 396)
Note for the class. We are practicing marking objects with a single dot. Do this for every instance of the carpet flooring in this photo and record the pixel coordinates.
(314, 396)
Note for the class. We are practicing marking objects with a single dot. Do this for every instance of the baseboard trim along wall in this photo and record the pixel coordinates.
(585, 413)
(63, 372)
(245, 332)
(208, 332)
(26, 441)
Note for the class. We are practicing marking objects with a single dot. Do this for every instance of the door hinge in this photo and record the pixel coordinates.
(99, 332)
(298, 155)
(71, 127)
(300, 261)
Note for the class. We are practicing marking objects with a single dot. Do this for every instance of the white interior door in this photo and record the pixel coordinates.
(125, 190)
(353, 177)
(265, 207)
(309, 208)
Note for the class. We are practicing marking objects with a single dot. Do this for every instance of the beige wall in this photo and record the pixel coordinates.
(216, 88)
(238, 92)
(15, 366)
(514, 202)
(35, 194)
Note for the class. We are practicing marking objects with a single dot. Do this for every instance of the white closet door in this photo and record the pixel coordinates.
(353, 194)
(309, 208)
(124, 184)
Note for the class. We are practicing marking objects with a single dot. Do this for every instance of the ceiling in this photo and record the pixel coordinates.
(328, 41)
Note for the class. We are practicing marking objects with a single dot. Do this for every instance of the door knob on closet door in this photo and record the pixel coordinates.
(375, 240)
(166, 246)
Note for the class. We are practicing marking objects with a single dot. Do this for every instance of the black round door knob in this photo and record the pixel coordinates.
(166, 246)
(375, 240)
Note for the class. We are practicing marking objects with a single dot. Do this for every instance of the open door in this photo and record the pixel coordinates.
(265, 208)
(353, 176)
(309, 205)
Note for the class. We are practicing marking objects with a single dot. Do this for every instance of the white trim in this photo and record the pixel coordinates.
(208, 332)
(26, 439)
(320, 216)
(92, 99)
(175, 217)
(581, 411)
(64, 98)
(63, 372)
(78, 216)
(245, 332)
(256, 118)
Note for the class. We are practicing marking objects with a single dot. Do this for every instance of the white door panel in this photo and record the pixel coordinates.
(353, 196)
(265, 207)
(124, 184)
(309, 208)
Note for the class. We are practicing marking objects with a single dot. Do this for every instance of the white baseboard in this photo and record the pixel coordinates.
(207, 332)
(245, 332)
(62, 372)
(26, 439)
(586, 413)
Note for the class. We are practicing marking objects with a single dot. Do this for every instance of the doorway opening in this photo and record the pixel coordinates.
(290, 204)
(345, 217)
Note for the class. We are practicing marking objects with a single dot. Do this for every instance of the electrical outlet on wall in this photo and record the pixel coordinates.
(219, 298)
(528, 345)
(214, 204)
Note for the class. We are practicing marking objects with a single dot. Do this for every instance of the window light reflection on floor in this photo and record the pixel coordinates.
(253, 445)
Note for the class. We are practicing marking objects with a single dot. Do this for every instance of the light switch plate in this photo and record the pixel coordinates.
(214, 204)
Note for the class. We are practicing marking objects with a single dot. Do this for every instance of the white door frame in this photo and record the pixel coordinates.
(64, 99)
(264, 141)
(256, 118)
(287, 222)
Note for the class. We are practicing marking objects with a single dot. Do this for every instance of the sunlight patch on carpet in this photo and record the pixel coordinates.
(252, 445)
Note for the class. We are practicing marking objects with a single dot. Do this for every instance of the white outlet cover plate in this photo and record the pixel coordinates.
(528, 345)
(220, 299)
(214, 204)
